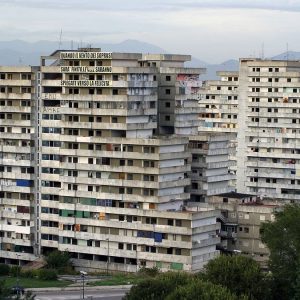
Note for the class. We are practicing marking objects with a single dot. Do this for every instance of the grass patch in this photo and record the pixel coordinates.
(117, 279)
(35, 283)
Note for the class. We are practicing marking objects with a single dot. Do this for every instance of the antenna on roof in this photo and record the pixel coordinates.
(263, 50)
(287, 51)
(72, 45)
(60, 36)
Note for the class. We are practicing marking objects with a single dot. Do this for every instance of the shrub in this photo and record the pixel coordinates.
(28, 273)
(157, 288)
(240, 274)
(58, 260)
(15, 271)
(4, 269)
(47, 274)
(198, 289)
(150, 272)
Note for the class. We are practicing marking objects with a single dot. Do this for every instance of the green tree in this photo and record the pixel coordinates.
(199, 290)
(240, 274)
(58, 260)
(159, 287)
(5, 292)
(283, 240)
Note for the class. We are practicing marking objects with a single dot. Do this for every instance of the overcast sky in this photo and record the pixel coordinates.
(211, 30)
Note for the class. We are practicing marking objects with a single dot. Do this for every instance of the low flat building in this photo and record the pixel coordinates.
(241, 216)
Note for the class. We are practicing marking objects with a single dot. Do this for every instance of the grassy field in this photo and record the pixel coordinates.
(35, 283)
(117, 279)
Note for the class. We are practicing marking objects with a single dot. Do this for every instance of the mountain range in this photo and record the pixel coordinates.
(18, 52)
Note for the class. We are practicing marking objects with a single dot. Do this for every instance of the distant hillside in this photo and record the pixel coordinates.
(290, 55)
(19, 52)
(23, 53)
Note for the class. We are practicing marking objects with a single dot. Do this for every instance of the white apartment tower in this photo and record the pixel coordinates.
(268, 134)
(219, 103)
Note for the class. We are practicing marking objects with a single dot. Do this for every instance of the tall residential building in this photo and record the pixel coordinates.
(17, 162)
(210, 161)
(268, 134)
(219, 103)
(110, 157)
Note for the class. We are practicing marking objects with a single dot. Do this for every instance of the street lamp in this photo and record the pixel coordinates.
(18, 269)
(108, 258)
(82, 275)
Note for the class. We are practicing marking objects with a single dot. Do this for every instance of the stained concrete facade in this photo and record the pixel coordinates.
(268, 133)
(106, 171)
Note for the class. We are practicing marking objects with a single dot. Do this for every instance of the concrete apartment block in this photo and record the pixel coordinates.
(105, 171)
(268, 133)
(210, 160)
(241, 216)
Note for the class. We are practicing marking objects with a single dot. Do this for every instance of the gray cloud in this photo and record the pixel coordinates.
(209, 29)
(145, 5)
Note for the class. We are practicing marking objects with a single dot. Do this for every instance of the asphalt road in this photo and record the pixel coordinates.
(90, 294)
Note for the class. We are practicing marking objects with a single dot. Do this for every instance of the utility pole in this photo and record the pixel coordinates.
(82, 275)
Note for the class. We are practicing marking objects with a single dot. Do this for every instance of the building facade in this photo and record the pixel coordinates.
(268, 134)
(105, 175)
(241, 217)
(210, 165)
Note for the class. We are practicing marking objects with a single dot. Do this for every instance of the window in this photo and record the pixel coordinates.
(177, 251)
(167, 104)
(148, 164)
(168, 92)
(246, 229)
(167, 118)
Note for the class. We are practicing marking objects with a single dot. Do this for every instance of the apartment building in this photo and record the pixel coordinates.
(17, 162)
(241, 217)
(219, 110)
(110, 169)
(219, 103)
(210, 160)
(268, 134)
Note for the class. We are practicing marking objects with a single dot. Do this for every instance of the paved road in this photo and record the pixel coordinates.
(90, 294)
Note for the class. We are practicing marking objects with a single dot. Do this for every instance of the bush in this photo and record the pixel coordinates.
(150, 272)
(47, 274)
(159, 287)
(240, 274)
(198, 289)
(15, 271)
(28, 274)
(58, 260)
(4, 269)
